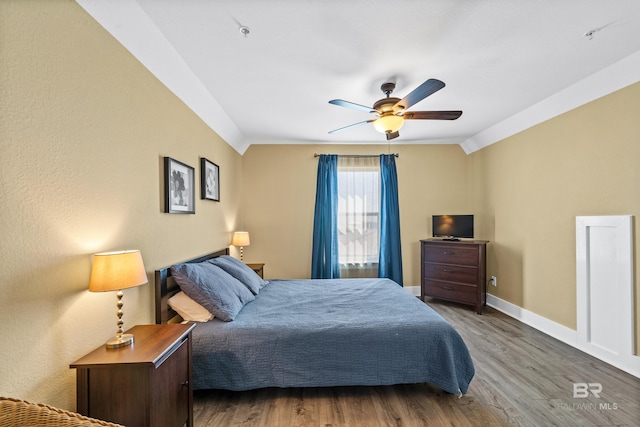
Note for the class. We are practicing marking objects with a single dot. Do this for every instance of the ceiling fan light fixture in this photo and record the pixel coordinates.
(388, 123)
(392, 111)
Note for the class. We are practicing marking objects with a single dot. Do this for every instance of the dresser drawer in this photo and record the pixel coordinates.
(450, 272)
(451, 254)
(450, 291)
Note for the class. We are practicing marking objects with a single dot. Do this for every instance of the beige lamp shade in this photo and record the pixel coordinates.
(112, 271)
(241, 238)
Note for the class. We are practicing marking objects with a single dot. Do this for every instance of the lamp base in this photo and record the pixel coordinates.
(120, 341)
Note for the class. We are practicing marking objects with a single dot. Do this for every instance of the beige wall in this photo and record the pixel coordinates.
(279, 196)
(525, 192)
(533, 185)
(83, 129)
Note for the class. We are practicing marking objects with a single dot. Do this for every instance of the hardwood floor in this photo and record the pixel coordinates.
(523, 378)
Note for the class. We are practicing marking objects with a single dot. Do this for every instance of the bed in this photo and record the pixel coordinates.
(322, 333)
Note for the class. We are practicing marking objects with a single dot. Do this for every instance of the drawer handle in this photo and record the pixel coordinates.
(185, 384)
(448, 253)
(448, 288)
(448, 270)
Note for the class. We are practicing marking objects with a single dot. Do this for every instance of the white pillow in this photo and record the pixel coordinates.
(188, 309)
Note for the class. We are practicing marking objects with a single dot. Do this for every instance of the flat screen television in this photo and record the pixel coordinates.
(453, 227)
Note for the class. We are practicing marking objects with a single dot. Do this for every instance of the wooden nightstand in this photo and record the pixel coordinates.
(146, 384)
(258, 268)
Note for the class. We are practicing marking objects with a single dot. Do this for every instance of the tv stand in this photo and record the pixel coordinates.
(454, 271)
(451, 239)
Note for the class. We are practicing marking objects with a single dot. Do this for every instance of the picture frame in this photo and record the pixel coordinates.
(179, 187)
(209, 180)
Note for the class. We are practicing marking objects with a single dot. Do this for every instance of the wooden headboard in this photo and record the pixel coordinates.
(166, 287)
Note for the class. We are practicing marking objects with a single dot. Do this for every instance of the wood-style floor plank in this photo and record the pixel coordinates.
(523, 378)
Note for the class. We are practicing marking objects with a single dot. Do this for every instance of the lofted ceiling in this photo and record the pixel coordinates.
(507, 64)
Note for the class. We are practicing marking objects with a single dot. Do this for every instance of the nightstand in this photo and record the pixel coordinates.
(258, 268)
(146, 384)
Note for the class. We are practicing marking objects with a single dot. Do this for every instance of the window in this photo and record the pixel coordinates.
(358, 216)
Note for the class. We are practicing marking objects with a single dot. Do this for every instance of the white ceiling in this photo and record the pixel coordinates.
(508, 64)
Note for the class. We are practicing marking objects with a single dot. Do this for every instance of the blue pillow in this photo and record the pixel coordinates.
(240, 271)
(208, 285)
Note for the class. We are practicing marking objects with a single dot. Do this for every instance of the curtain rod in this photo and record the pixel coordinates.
(357, 155)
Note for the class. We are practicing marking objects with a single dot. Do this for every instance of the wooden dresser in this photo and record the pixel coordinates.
(145, 384)
(454, 271)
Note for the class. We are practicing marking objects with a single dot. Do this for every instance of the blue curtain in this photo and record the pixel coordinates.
(390, 263)
(324, 257)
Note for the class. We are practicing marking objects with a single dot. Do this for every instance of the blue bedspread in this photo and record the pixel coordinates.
(315, 333)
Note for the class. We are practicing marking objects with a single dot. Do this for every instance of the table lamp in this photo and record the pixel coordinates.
(241, 238)
(114, 271)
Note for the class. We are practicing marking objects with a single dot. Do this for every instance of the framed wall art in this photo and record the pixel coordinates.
(209, 180)
(179, 187)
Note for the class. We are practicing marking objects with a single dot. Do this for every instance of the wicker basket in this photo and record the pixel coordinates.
(18, 413)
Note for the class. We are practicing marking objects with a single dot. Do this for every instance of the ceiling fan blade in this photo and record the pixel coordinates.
(432, 115)
(427, 88)
(348, 104)
(351, 126)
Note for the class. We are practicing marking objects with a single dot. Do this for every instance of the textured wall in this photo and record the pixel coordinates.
(83, 129)
(279, 197)
(531, 186)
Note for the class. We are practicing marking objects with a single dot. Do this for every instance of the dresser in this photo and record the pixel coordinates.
(145, 384)
(454, 271)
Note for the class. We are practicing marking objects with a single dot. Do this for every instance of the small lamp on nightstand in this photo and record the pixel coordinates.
(241, 238)
(114, 271)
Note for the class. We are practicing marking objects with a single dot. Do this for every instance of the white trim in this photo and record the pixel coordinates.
(604, 289)
(131, 26)
(551, 328)
(615, 77)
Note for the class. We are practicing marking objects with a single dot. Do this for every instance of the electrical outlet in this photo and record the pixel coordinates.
(494, 281)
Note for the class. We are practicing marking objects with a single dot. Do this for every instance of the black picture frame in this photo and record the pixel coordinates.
(209, 180)
(179, 187)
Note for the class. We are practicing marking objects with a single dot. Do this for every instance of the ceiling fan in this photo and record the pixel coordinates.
(392, 112)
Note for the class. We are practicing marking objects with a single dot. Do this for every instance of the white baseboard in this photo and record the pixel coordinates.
(557, 331)
(551, 328)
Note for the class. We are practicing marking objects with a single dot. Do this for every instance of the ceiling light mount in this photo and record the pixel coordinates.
(245, 31)
(592, 33)
(387, 88)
